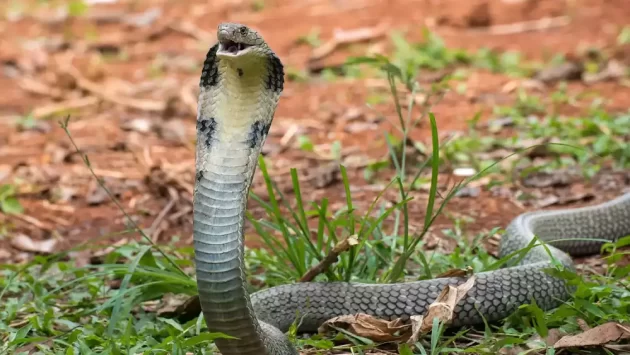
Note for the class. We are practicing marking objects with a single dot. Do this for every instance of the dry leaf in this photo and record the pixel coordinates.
(369, 327)
(416, 327)
(600, 335)
(325, 175)
(4, 254)
(25, 243)
(444, 305)
(583, 325)
(558, 178)
(456, 273)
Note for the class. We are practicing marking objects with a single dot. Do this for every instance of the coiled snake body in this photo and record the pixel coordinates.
(240, 87)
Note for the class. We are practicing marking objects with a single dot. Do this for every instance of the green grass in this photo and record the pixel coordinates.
(589, 141)
(51, 306)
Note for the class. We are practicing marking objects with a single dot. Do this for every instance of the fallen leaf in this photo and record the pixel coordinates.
(174, 131)
(456, 273)
(367, 326)
(25, 243)
(444, 305)
(547, 201)
(325, 175)
(543, 179)
(563, 71)
(600, 335)
(96, 196)
(583, 325)
(4, 254)
(170, 304)
(416, 326)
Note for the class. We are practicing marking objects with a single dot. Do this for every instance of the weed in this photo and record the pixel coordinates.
(9, 204)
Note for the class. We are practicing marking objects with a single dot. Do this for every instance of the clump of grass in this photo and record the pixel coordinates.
(588, 141)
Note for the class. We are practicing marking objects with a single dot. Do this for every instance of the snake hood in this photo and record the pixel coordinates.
(241, 83)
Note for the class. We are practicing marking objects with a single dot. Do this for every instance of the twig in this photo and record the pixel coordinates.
(347, 37)
(331, 258)
(155, 226)
(527, 26)
(37, 87)
(192, 30)
(64, 126)
(34, 222)
(97, 90)
(63, 106)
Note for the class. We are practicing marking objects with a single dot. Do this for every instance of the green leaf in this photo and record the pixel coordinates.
(10, 205)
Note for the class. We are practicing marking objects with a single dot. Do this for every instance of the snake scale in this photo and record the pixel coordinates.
(240, 86)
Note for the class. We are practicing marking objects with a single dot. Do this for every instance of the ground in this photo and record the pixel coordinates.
(131, 94)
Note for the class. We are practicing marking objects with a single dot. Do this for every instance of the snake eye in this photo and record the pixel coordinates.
(243, 30)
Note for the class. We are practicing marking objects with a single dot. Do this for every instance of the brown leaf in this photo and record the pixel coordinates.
(565, 71)
(169, 305)
(367, 326)
(583, 325)
(96, 195)
(25, 243)
(455, 273)
(444, 305)
(542, 179)
(325, 175)
(4, 254)
(416, 329)
(600, 335)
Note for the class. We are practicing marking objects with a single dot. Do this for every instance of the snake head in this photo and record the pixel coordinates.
(236, 40)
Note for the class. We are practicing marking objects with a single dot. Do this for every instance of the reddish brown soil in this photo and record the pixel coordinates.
(147, 170)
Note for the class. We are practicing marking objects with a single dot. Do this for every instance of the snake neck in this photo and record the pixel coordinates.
(236, 107)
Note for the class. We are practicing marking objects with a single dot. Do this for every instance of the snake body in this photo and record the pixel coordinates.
(240, 86)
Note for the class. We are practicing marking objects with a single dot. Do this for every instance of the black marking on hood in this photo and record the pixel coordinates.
(210, 71)
(275, 76)
(206, 128)
(258, 133)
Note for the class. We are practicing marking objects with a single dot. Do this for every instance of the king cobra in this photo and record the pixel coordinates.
(240, 86)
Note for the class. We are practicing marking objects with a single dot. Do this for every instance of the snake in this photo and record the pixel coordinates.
(241, 83)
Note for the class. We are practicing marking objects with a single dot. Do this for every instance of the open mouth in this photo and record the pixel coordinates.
(232, 47)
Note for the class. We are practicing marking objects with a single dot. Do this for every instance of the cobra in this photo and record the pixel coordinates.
(240, 86)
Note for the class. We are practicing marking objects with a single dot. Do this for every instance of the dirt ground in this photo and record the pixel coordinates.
(127, 72)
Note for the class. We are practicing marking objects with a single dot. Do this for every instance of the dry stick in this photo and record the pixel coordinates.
(527, 26)
(97, 90)
(33, 221)
(155, 229)
(331, 258)
(136, 227)
(64, 106)
(347, 37)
